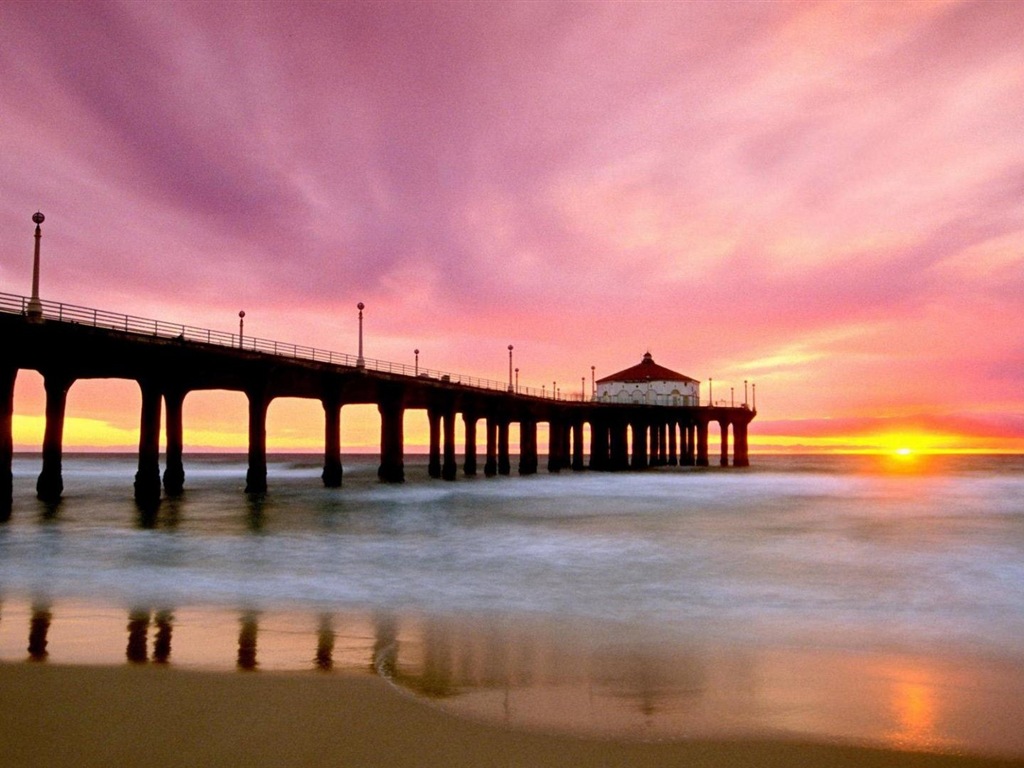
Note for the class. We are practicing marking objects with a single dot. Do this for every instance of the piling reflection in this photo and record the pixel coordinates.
(165, 513)
(325, 638)
(38, 629)
(164, 621)
(255, 504)
(147, 514)
(49, 511)
(384, 659)
(247, 641)
(138, 636)
(436, 676)
(640, 679)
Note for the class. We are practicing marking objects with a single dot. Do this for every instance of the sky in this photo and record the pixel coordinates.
(822, 199)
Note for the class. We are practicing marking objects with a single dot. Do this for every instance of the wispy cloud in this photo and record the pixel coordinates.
(723, 183)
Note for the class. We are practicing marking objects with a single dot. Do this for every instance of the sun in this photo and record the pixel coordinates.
(904, 452)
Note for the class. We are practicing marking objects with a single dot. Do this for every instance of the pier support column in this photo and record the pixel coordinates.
(147, 477)
(434, 449)
(449, 469)
(619, 446)
(599, 445)
(504, 461)
(740, 453)
(555, 444)
(174, 469)
(491, 462)
(527, 447)
(469, 464)
(50, 484)
(577, 446)
(662, 444)
(392, 438)
(8, 375)
(256, 475)
(702, 443)
(689, 434)
(638, 459)
(333, 470)
(673, 457)
(724, 427)
(655, 445)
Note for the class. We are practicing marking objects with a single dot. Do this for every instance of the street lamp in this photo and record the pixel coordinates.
(554, 389)
(517, 380)
(35, 307)
(510, 389)
(711, 391)
(360, 363)
(593, 382)
(241, 327)
(753, 388)
(745, 399)
(417, 353)
(732, 398)
(583, 388)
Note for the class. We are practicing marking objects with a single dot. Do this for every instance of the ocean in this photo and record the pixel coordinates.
(802, 594)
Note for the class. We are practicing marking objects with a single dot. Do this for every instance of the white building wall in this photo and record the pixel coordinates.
(650, 393)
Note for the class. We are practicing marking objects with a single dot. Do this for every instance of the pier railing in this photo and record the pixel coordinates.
(99, 318)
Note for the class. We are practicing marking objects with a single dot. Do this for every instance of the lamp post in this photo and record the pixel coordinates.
(732, 398)
(510, 388)
(417, 369)
(753, 388)
(711, 391)
(583, 388)
(554, 389)
(360, 363)
(517, 380)
(745, 399)
(241, 327)
(35, 307)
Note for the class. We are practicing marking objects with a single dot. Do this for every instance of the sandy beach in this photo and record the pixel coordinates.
(102, 716)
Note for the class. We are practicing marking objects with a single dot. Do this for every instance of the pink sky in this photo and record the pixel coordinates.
(823, 198)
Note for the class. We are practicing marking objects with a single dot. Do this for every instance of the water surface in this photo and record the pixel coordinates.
(690, 599)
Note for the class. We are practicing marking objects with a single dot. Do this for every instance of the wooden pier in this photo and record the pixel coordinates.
(67, 343)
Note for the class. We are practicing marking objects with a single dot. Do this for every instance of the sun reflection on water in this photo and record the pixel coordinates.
(915, 710)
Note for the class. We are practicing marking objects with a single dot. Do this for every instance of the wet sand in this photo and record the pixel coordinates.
(156, 716)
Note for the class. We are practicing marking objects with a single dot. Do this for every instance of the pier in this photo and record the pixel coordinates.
(66, 343)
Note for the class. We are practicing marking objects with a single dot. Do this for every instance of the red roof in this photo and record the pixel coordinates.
(647, 370)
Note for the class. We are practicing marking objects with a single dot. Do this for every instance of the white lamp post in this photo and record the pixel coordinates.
(35, 307)
(360, 363)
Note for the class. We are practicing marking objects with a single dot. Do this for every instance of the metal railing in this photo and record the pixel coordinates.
(99, 318)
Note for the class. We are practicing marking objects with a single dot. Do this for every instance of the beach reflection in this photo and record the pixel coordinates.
(553, 677)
